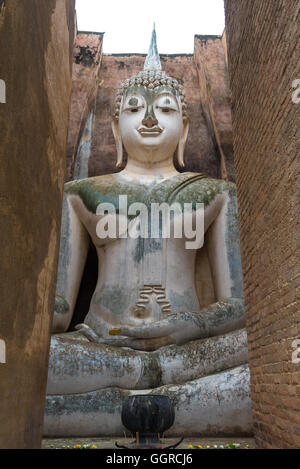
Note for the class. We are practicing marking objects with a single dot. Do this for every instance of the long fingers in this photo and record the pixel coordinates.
(155, 330)
(146, 345)
(87, 332)
(145, 338)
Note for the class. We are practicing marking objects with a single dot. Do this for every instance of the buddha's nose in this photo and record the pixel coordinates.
(150, 119)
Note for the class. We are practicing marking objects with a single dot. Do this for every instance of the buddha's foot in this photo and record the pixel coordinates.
(215, 405)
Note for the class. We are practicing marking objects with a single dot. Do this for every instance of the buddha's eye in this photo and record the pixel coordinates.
(166, 104)
(166, 109)
(133, 102)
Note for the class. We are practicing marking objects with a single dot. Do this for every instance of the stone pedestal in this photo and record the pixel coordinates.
(215, 405)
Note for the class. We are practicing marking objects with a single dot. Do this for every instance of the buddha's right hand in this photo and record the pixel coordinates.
(146, 344)
(88, 333)
(152, 336)
(178, 328)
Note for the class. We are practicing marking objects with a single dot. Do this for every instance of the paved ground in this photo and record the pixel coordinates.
(109, 443)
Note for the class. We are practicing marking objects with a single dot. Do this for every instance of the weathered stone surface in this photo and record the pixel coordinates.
(263, 44)
(85, 79)
(99, 366)
(215, 405)
(210, 58)
(126, 259)
(36, 67)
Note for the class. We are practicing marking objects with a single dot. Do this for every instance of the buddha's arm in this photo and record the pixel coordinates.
(72, 257)
(223, 243)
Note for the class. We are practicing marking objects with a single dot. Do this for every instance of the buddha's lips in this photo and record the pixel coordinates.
(150, 131)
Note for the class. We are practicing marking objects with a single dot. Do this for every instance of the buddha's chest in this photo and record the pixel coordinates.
(147, 214)
(121, 196)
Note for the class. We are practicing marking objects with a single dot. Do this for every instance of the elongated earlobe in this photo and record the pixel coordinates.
(181, 144)
(119, 143)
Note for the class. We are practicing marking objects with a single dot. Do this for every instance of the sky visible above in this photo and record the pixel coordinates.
(128, 24)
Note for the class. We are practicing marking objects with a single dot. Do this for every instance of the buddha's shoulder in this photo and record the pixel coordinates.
(89, 184)
(201, 187)
(93, 190)
(104, 189)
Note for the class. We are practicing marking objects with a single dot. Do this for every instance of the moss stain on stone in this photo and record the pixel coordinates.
(103, 189)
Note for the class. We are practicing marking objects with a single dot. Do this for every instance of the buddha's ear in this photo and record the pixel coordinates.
(118, 140)
(181, 144)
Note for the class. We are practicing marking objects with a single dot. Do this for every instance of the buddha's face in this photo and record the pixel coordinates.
(150, 123)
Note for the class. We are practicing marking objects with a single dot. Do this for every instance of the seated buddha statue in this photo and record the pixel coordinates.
(165, 317)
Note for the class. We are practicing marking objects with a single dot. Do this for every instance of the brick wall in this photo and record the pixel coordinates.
(263, 41)
(85, 73)
(210, 58)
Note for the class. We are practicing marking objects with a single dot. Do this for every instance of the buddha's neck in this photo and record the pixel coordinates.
(160, 170)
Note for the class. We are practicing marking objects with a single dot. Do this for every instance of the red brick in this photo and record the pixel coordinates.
(263, 43)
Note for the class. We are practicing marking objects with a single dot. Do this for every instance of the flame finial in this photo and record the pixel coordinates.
(153, 60)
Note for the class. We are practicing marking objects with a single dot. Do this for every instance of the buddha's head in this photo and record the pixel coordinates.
(150, 116)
